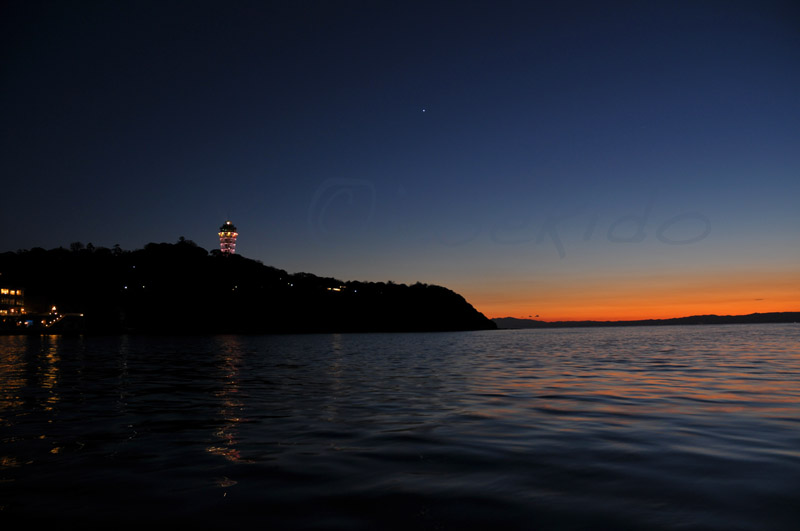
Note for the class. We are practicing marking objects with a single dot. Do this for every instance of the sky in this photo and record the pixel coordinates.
(553, 160)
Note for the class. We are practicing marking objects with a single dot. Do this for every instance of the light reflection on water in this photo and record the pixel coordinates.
(624, 428)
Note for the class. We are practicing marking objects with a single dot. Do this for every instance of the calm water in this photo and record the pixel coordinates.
(622, 428)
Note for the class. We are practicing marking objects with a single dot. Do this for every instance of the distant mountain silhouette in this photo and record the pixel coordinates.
(774, 317)
(182, 288)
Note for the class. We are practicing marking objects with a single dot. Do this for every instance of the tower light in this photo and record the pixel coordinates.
(227, 238)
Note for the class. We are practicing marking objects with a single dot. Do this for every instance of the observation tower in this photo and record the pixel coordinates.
(227, 238)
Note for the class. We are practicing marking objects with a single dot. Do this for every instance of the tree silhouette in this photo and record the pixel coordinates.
(182, 287)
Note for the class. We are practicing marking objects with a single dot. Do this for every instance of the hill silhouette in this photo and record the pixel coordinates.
(182, 288)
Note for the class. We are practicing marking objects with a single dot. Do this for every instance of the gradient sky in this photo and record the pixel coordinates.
(567, 160)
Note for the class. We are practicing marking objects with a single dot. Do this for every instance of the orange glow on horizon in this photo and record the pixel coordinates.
(652, 297)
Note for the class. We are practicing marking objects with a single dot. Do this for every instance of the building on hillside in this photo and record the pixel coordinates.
(11, 301)
(227, 238)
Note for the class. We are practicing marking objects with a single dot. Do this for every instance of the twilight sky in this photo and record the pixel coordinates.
(567, 160)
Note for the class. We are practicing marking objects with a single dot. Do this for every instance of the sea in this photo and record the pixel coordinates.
(628, 428)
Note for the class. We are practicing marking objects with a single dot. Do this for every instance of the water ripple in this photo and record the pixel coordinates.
(631, 428)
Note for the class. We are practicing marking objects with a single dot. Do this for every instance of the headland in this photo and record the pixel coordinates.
(181, 288)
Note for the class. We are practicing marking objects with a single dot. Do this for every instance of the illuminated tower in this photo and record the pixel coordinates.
(227, 238)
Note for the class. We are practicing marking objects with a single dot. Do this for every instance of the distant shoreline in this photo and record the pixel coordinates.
(513, 323)
(503, 323)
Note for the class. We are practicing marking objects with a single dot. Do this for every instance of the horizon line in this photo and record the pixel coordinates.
(533, 320)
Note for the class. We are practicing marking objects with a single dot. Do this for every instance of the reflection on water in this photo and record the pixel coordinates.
(625, 428)
(229, 352)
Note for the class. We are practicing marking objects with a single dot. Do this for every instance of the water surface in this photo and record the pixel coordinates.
(674, 427)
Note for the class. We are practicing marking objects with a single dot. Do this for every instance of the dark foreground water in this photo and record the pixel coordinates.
(622, 428)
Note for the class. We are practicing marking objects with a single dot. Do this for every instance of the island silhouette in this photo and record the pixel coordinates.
(182, 288)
